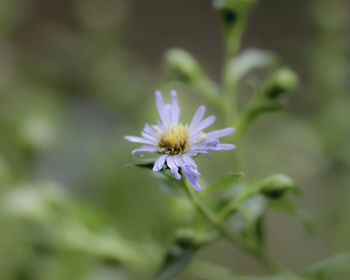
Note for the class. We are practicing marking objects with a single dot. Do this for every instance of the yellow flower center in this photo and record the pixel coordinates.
(175, 140)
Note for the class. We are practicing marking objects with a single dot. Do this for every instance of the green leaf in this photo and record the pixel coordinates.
(168, 184)
(222, 183)
(175, 261)
(70, 225)
(247, 61)
(144, 163)
(275, 277)
(253, 112)
(287, 204)
(254, 209)
(306, 220)
(185, 68)
(327, 268)
(267, 97)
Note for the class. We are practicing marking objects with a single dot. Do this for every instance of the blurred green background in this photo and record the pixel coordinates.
(78, 75)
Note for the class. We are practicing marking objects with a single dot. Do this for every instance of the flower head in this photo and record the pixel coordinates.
(177, 143)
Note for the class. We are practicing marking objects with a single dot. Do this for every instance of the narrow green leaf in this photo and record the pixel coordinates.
(222, 183)
(143, 163)
(175, 261)
(328, 267)
(287, 204)
(249, 60)
(168, 184)
(253, 210)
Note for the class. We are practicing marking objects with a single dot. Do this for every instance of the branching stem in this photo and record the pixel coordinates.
(270, 265)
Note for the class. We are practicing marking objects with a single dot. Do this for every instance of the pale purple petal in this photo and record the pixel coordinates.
(175, 108)
(172, 164)
(168, 110)
(145, 148)
(161, 108)
(149, 129)
(158, 165)
(219, 133)
(195, 152)
(221, 147)
(197, 117)
(189, 161)
(192, 176)
(149, 133)
(203, 124)
(138, 140)
(151, 138)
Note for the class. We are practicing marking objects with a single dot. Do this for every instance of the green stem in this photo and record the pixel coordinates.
(206, 212)
(229, 94)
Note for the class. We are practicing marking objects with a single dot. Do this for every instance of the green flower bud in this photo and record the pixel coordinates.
(277, 185)
(233, 14)
(232, 8)
(186, 237)
(182, 64)
(282, 81)
(185, 68)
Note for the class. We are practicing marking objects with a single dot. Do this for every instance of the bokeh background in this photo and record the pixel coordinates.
(78, 75)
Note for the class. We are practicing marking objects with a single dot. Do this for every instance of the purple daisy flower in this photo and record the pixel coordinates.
(178, 143)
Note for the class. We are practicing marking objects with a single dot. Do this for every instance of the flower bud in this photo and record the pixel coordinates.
(277, 185)
(282, 81)
(186, 237)
(233, 14)
(232, 8)
(182, 64)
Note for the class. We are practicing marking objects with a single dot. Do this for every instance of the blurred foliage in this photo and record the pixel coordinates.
(71, 87)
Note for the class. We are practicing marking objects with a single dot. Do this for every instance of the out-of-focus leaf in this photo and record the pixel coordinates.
(254, 210)
(104, 244)
(6, 174)
(222, 183)
(274, 186)
(254, 206)
(71, 226)
(187, 242)
(175, 261)
(275, 277)
(34, 203)
(268, 97)
(183, 64)
(168, 184)
(144, 163)
(247, 221)
(165, 180)
(306, 220)
(247, 61)
(186, 69)
(326, 269)
(253, 112)
(288, 205)
(285, 204)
